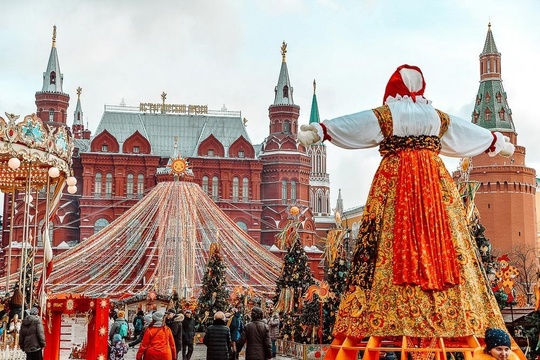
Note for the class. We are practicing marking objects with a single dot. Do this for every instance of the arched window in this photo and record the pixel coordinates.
(287, 127)
(501, 114)
(293, 191)
(487, 115)
(51, 114)
(245, 189)
(129, 187)
(284, 192)
(205, 184)
(215, 188)
(140, 185)
(40, 230)
(100, 224)
(97, 185)
(242, 225)
(235, 189)
(108, 185)
(134, 234)
(53, 78)
(285, 91)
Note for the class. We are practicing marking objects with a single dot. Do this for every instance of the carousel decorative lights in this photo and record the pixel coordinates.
(34, 157)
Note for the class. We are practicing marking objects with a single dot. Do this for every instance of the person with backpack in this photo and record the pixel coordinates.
(120, 326)
(138, 339)
(138, 323)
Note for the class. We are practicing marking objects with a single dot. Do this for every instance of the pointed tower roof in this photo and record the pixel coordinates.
(52, 77)
(283, 90)
(339, 203)
(314, 115)
(491, 110)
(78, 114)
(489, 45)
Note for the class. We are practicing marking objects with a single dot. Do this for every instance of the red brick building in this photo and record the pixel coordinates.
(254, 184)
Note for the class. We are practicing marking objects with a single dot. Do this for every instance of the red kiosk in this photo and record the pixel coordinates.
(97, 319)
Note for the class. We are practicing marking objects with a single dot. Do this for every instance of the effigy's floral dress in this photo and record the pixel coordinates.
(415, 271)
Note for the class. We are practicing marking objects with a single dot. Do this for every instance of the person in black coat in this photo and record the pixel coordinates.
(188, 335)
(174, 322)
(218, 339)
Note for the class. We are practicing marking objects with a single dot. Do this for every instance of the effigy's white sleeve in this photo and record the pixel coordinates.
(355, 131)
(463, 138)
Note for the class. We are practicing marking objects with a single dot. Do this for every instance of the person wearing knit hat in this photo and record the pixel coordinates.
(32, 335)
(498, 346)
(118, 348)
(120, 326)
(158, 341)
(412, 211)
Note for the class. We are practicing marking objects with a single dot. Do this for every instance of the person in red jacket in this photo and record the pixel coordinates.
(158, 341)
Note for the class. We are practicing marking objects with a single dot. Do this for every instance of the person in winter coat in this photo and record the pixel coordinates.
(32, 336)
(236, 326)
(188, 335)
(115, 327)
(138, 339)
(118, 348)
(218, 339)
(258, 345)
(497, 347)
(158, 341)
(273, 326)
(15, 304)
(174, 322)
(138, 323)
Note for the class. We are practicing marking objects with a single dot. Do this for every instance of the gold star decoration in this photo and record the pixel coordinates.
(103, 303)
(102, 331)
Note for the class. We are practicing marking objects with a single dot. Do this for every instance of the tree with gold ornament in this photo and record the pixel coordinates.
(214, 296)
(296, 277)
(337, 268)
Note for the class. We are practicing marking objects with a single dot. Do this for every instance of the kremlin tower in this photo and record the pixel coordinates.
(506, 197)
(51, 101)
(286, 167)
(319, 179)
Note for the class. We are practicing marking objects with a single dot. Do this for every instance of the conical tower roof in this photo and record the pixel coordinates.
(283, 90)
(491, 109)
(162, 243)
(52, 77)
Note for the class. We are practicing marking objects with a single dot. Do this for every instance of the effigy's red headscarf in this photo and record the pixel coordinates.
(406, 80)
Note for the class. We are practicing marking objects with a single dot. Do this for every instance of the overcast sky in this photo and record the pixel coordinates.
(227, 52)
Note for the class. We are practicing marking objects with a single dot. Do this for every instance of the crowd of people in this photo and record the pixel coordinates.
(170, 335)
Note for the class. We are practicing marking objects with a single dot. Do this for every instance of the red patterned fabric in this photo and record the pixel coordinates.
(423, 250)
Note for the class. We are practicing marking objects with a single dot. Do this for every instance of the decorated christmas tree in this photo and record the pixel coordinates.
(291, 285)
(311, 316)
(337, 268)
(214, 296)
(468, 190)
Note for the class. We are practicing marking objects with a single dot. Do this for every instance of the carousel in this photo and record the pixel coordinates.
(35, 161)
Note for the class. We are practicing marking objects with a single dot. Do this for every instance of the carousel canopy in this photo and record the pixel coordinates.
(162, 244)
